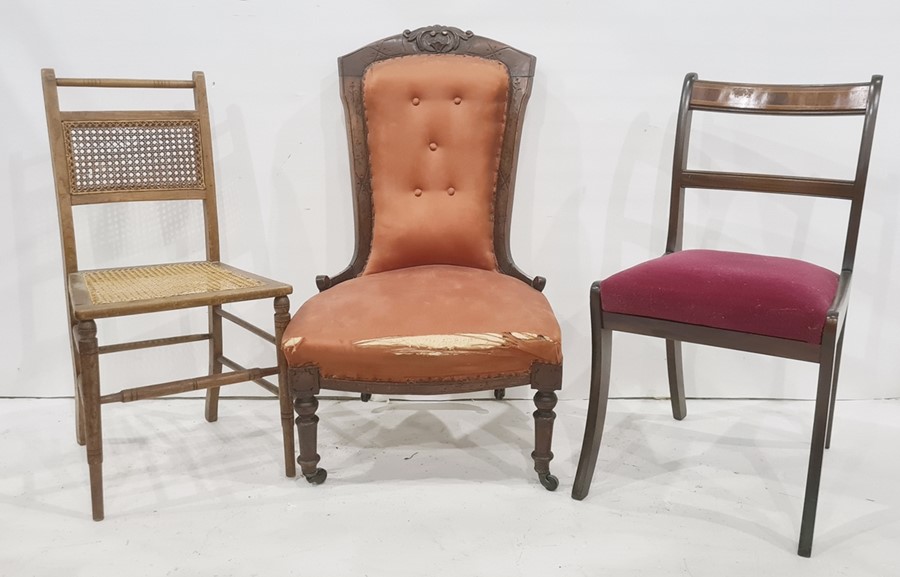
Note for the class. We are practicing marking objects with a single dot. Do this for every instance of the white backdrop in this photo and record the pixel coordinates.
(593, 172)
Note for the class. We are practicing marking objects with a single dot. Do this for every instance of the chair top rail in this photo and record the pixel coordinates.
(123, 83)
(787, 99)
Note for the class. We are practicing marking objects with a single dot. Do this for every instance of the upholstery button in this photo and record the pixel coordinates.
(457, 100)
(451, 191)
(418, 192)
(416, 101)
(433, 146)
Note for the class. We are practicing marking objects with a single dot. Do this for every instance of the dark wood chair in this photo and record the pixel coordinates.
(129, 156)
(762, 304)
(431, 302)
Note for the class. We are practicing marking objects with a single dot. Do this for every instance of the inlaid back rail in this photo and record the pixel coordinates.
(788, 99)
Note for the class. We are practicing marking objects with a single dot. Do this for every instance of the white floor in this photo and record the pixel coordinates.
(446, 488)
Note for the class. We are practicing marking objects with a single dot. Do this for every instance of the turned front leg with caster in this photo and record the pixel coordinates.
(307, 423)
(544, 416)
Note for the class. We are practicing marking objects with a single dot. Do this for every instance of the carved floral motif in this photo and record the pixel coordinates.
(437, 38)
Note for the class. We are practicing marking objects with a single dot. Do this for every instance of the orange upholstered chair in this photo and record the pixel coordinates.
(762, 304)
(431, 302)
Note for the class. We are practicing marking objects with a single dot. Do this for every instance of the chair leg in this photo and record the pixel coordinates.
(80, 437)
(90, 389)
(593, 430)
(601, 358)
(306, 404)
(282, 318)
(79, 402)
(676, 379)
(817, 446)
(215, 367)
(834, 384)
(544, 416)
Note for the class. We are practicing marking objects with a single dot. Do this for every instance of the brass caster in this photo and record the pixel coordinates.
(318, 477)
(549, 481)
(499, 394)
(365, 397)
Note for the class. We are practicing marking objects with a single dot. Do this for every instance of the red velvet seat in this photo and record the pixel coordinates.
(762, 304)
(762, 295)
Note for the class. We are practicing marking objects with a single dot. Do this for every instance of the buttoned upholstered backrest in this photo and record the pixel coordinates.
(433, 120)
(435, 126)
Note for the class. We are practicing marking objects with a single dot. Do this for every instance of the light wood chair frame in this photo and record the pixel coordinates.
(795, 100)
(546, 379)
(83, 313)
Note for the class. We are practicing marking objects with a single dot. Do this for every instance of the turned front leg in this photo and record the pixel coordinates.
(90, 390)
(544, 416)
(282, 318)
(305, 404)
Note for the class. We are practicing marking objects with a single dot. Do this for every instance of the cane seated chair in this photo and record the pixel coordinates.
(130, 156)
(431, 302)
(763, 304)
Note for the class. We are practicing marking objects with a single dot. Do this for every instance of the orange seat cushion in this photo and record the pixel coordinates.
(426, 323)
